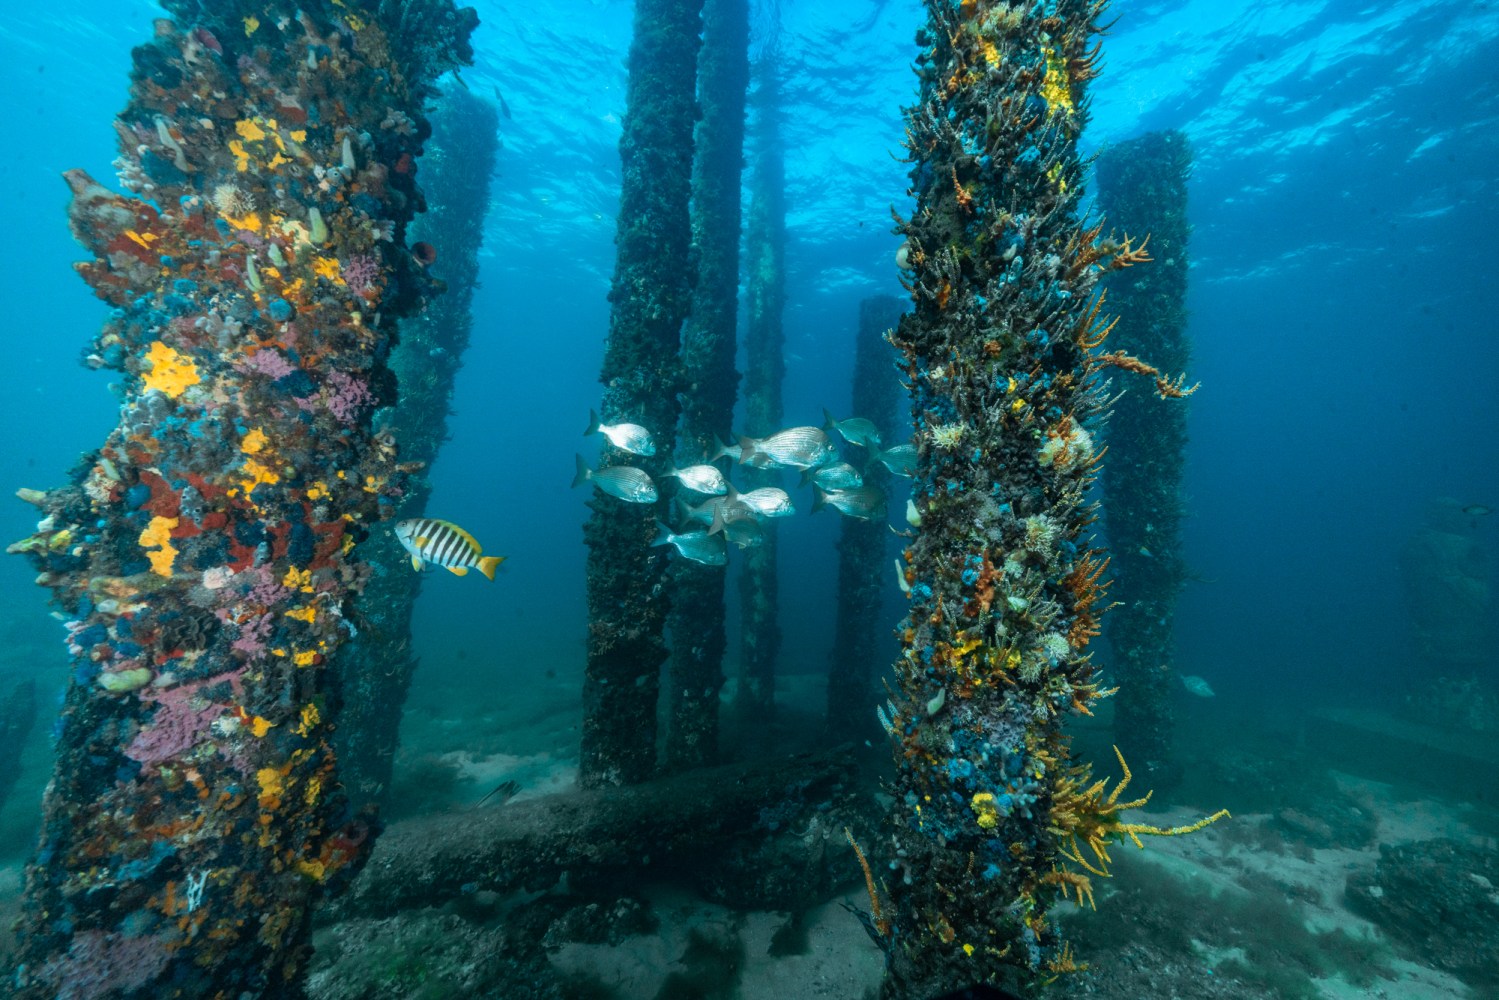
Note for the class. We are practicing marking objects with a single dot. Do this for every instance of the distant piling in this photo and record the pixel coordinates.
(376, 666)
(696, 620)
(991, 821)
(205, 554)
(17, 716)
(861, 631)
(1142, 188)
(642, 374)
(764, 371)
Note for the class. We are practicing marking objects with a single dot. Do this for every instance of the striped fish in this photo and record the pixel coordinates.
(444, 544)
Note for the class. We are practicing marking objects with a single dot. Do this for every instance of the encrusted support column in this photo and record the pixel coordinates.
(642, 375)
(764, 370)
(864, 546)
(696, 622)
(377, 665)
(992, 820)
(1142, 188)
(17, 716)
(204, 554)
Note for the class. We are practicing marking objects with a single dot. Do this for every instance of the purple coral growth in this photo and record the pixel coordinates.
(360, 271)
(253, 635)
(100, 964)
(268, 362)
(175, 728)
(346, 396)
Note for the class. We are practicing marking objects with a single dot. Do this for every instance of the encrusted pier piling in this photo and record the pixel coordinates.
(205, 553)
(642, 375)
(1142, 187)
(861, 630)
(377, 666)
(764, 370)
(696, 621)
(992, 821)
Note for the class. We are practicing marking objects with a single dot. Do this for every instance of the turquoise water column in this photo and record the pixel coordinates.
(696, 622)
(205, 555)
(642, 375)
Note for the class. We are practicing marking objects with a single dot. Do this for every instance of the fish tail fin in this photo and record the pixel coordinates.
(718, 521)
(593, 423)
(684, 509)
(819, 498)
(663, 535)
(583, 473)
(828, 423)
(806, 476)
(488, 564)
(748, 453)
(723, 449)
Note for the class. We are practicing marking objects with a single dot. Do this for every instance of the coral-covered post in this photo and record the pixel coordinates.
(764, 370)
(642, 374)
(204, 554)
(17, 716)
(1142, 188)
(696, 622)
(860, 629)
(992, 820)
(375, 669)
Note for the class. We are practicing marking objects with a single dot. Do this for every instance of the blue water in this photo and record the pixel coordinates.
(1343, 198)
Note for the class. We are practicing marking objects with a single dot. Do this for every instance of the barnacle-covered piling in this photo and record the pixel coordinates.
(17, 716)
(764, 370)
(376, 667)
(1142, 187)
(696, 621)
(861, 630)
(203, 554)
(992, 820)
(642, 375)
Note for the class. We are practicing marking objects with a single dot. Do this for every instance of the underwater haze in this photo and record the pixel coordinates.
(1340, 298)
(1343, 198)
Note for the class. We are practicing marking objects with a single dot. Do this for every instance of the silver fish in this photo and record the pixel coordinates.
(794, 448)
(1197, 686)
(838, 476)
(729, 451)
(899, 459)
(867, 503)
(855, 430)
(710, 508)
(768, 501)
(627, 437)
(727, 516)
(623, 481)
(745, 532)
(699, 546)
(708, 479)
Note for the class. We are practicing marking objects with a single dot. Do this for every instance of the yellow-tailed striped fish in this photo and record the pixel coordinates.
(443, 543)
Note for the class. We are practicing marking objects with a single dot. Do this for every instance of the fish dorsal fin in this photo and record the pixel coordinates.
(462, 534)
